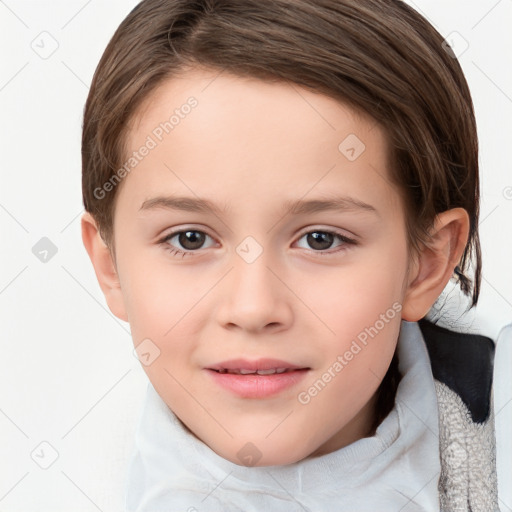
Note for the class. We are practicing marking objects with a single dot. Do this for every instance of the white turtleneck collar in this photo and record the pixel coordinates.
(396, 469)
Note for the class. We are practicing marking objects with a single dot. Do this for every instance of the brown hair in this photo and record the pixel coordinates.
(378, 56)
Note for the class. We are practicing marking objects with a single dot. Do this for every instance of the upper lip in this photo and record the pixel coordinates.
(257, 364)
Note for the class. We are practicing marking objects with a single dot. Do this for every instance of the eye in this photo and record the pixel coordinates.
(189, 239)
(321, 240)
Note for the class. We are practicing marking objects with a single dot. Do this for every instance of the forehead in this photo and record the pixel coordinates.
(224, 97)
(231, 137)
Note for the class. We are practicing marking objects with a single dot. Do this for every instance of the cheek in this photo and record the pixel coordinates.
(166, 304)
(360, 307)
(363, 313)
(163, 306)
(156, 295)
(353, 297)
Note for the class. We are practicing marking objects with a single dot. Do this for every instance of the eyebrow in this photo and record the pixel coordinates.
(295, 207)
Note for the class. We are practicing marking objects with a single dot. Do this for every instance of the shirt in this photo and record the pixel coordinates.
(397, 469)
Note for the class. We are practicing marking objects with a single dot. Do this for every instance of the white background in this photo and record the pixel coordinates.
(68, 376)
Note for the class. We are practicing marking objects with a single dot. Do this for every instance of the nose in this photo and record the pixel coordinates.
(254, 297)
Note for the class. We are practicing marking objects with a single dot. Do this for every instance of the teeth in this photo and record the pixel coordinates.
(270, 371)
(266, 372)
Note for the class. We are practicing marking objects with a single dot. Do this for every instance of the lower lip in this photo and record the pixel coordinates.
(258, 386)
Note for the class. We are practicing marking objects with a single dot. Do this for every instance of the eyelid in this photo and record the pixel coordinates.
(175, 231)
(171, 234)
(336, 231)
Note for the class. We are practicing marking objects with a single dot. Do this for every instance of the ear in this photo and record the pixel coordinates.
(434, 265)
(104, 266)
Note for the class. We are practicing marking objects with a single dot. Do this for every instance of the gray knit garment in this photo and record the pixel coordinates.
(468, 480)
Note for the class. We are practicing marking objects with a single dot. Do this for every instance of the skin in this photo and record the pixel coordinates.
(249, 146)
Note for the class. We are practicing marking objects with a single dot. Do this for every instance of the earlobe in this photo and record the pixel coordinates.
(104, 267)
(436, 263)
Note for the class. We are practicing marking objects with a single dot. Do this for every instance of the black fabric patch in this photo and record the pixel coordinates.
(464, 363)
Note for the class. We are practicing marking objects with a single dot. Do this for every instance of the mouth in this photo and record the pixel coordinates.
(256, 367)
(270, 371)
(257, 379)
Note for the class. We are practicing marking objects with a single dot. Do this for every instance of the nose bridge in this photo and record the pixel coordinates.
(254, 296)
(251, 268)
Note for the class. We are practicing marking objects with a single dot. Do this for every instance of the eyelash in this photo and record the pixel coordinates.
(176, 252)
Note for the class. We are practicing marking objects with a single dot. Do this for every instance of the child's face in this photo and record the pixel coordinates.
(253, 284)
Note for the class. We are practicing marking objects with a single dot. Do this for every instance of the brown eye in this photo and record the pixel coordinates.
(320, 240)
(191, 240)
(186, 242)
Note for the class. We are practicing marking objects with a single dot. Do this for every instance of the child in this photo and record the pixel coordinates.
(277, 192)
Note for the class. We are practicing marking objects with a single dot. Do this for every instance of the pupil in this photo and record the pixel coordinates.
(191, 239)
(320, 240)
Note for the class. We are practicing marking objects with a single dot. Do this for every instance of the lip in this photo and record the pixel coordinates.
(257, 364)
(254, 385)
